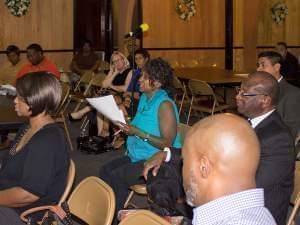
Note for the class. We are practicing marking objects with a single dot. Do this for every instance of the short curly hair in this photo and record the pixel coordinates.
(161, 71)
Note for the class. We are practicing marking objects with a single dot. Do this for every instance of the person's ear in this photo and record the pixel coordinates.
(157, 84)
(267, 101)
(277, 66)
(204, 167)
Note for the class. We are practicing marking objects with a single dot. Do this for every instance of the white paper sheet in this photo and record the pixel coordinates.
(107, 106)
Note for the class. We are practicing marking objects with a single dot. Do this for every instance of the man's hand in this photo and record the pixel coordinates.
(154, 163)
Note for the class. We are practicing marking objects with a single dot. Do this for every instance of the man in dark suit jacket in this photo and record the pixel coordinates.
(257, 100)
(289, 96)
(289, 63)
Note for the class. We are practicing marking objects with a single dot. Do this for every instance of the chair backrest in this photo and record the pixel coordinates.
(101, 55)
(98, 79)
(84, 79)
(177, 83)
(183, 129)
(70, 181)
(296, 182)
(294, 212)
(93, 201)
(64, 97)
(103, 65)
(199, 87)
(143, 217)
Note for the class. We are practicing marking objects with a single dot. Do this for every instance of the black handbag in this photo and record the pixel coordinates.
(92, 144)
(52, 215)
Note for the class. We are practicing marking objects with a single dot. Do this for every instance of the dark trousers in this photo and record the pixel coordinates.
(120, 174)
(9, 216)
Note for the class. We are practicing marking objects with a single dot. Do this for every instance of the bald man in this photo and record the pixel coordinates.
(257, 100)
(219, 176)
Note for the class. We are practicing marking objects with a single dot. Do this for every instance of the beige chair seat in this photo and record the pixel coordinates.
(143, 217)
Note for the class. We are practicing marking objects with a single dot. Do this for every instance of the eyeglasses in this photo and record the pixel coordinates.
(245, 94)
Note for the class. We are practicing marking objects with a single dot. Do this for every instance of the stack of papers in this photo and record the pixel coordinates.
(107, 106)
(7, 89)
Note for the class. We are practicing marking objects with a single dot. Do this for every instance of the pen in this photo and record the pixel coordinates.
(117, 132)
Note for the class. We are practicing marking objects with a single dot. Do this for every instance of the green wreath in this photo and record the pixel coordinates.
(185, 9)
(279, 12)
(17, 7)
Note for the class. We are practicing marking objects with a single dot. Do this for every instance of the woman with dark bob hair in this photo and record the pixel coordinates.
(153, 128)
(34, 170)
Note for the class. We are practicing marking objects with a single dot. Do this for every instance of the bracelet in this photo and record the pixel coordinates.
(168, 152)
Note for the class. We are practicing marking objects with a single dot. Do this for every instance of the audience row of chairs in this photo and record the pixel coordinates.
(93, 201)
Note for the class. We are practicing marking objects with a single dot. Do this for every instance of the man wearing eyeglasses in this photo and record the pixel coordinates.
(257, 100)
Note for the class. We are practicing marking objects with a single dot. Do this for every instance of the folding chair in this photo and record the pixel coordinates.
(294, 213)
(92, 201)
(203, 99)
(69, 184)
(59, 114)
(181, 96)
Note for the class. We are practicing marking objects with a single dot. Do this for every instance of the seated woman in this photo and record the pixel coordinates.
(153, 128)
(34, 171)
(117, 80)
(132, 94)
(85, 60)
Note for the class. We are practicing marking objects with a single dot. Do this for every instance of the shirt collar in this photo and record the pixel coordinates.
(221, 208)
(255, 121)
(280, 79)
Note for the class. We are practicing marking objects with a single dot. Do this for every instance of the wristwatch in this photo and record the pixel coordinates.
(168, 156)
(147, 137)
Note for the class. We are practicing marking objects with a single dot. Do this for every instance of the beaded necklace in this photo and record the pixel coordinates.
(13, 148)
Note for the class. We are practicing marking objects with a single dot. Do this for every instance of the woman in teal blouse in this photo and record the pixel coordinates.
(153, 128)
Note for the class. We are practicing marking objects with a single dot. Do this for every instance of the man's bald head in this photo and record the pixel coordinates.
(258, 94)
(265, 83)
(220, 157)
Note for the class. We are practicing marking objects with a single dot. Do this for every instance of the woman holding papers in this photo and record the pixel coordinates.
(132, 91)
(153, 128)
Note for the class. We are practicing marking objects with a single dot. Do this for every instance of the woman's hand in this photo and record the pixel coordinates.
(129, 129)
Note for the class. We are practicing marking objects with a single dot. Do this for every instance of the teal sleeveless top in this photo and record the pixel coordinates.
(147, 120)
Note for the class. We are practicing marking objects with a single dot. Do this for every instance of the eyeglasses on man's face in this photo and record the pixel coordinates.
(242, 93)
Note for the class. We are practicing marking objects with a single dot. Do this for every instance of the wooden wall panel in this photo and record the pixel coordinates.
(167, 30)
(189, 58)
(268, 32)
(289, 31)
(48, 22)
